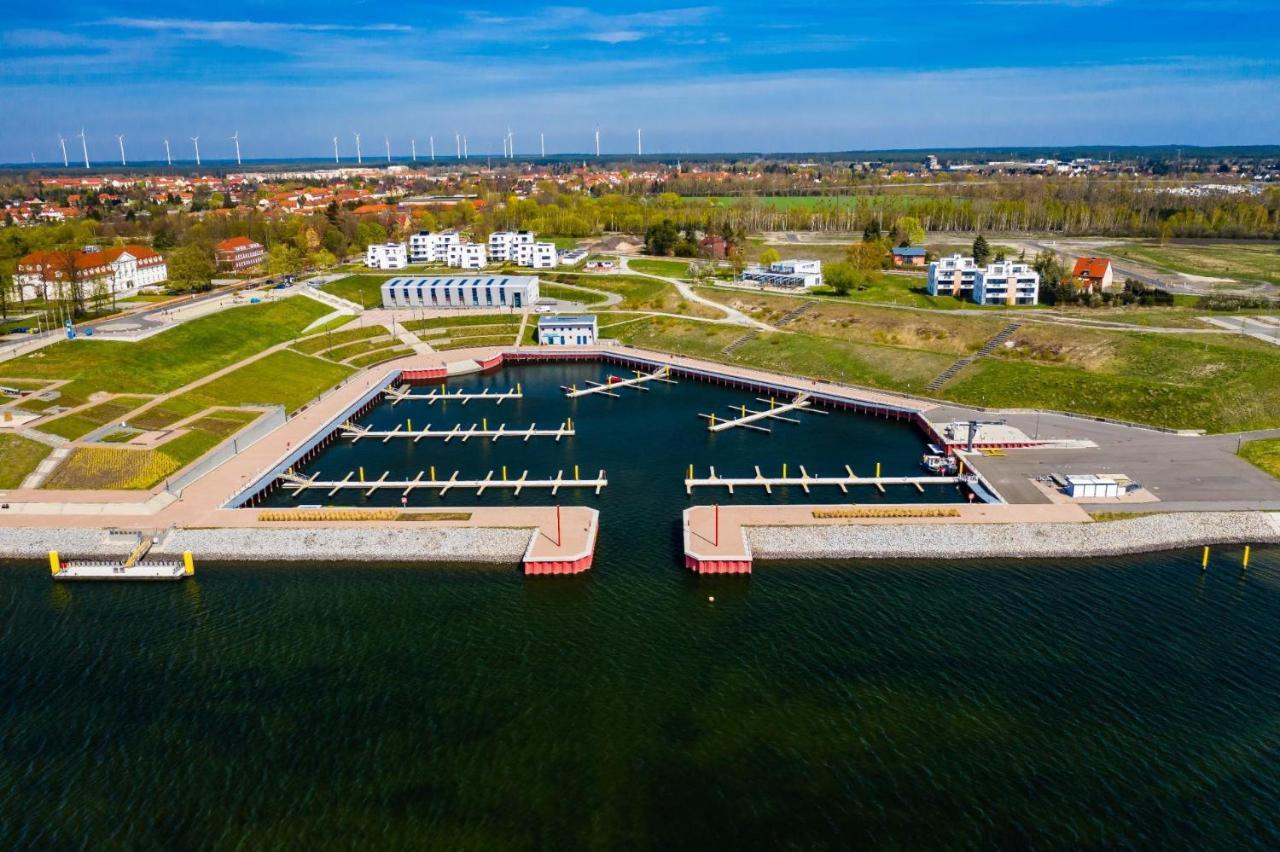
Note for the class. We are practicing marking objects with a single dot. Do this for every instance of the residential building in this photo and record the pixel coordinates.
(567, 330)
(119, 269)
(444, 291)
(465, 256)
(536, 255)
(428, 247)
(1006, 282)
(237, 254)
(504, 245)
(572, 257)
(1093, 274)
(791, 274)
(386, 256)
(952, 276)
(908, 256)
(713, 247)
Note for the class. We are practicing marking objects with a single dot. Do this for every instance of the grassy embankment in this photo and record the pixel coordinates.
(639, 293)
(81, 423)
(1264, 454)
(18, 457)
(467, 330)
(668, 268)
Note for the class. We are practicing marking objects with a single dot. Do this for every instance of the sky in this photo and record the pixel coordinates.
(780, 76)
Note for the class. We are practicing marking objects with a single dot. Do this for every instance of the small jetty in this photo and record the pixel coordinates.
(355, 481)
(404, 392)
(462, 433)
(807, 481)
(132, 568)
(613, 383)
(748, 418)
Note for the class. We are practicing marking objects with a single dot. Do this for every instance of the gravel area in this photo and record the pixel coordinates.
(70, 542)
(977, 541)
(317, 544)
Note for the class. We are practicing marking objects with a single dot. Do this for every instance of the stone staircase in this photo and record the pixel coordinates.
(740, 342)
(987, 348)
(794, 314)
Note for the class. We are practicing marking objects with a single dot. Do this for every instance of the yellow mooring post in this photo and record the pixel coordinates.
(362, 473)
(433, 473)
(1245, 563)
(960, 468)
(518, 390)
(691, 471)
(877, 470)
(188, 564)
(1204, 562)
(409, 426)
(504, 473)
(575, 471)
(713, 418)
(570, 424)
(55, 564)
(784, 470)
(772, 403)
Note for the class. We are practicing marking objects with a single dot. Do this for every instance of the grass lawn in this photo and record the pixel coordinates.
(1264, 454)
(1242, 261)
(460, 320)
(18, 457)
(569, 293)
(169, 359)
(639, 293)
(284, 378)
(364, 290)
(380, 355)
(72, 426)
(469, 342)
(328, 340)
(669, 268)
(360, 347)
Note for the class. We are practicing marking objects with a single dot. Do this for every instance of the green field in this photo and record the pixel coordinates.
(380, 355)
(667, 268)
(639, 293)
(316, 343)
(1242, 261)
(1264, 454)
(461, 320)
(364, 290)
(359, 347)
(81, 423)
(171, 359)
(569, 293)
(18, 457)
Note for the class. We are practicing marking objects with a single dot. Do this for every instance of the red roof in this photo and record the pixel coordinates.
(233, 243)
(52, 260)
(1092, 268)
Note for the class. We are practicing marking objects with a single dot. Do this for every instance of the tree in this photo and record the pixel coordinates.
(660, 239)
(841, 277)
(871, 233)
(910, 230)
(284, 259)
(191, 268)
(981, 250)
(768, 256)
(866, 257)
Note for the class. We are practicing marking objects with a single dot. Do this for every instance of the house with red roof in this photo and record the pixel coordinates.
(119, 269)
(1093, 274)
(237, 254)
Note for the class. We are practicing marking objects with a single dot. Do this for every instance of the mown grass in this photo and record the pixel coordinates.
(1264, 454)
(569, 293)
(639, 293)
(172, 358)
(469, 342)
(364, 290)
(1241, 261)
(380, 355)
(669, 268)
(360, 347)
(81, 423)
(18, 457)
(460, 320)
(314, 344)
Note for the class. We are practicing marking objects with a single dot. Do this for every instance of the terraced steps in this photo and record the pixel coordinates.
(987, 348)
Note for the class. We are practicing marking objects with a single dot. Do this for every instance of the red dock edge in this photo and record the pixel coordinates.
(569, 563)
(702, 557)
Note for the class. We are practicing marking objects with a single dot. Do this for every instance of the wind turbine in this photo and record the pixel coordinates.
(84, 146)
(335, 150)
(465, 155)
(457, 140)
(413, 149)
(597, 143)
(542, 144)
(195, 140)
(386, 141)
(120, 139)
(168, 156)
(359, 159)
(511, 144)
(235, 137)
(433, 149)
(639, 144)
(63, 143)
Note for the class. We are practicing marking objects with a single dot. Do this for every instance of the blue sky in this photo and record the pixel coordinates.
(777, 76)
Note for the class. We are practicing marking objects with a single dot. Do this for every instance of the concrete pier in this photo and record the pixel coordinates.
(805, 481)
(748, 418)
(403, 394)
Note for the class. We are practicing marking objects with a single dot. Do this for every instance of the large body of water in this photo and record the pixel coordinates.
(1123, 702)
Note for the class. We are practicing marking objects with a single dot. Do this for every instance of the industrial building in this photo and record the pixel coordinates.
(567, 330)
(386, 256)
(446, 291)
(791, 274)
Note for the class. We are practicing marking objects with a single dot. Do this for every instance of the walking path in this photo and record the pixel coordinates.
(732, 315)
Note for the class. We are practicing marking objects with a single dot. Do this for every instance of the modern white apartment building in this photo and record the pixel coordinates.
(1006, 283)
(386, 256)
(461, 291)
(465, 256)
(805, 274)
(503, 245)
(432, 247)
(536, 255)
(952, 276)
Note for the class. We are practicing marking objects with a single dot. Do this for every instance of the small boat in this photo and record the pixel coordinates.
(940, 465)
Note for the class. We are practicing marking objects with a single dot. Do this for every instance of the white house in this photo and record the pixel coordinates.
(461, 291)
(503, 245)
(429, 247)
(1006, 283)
(952, 276)
(120, 269)
(465, 256)
(567, 330)
(386, 256)
(805, 274)
(536, 255)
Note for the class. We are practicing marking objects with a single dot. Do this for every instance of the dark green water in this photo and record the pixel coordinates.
(1128, 702)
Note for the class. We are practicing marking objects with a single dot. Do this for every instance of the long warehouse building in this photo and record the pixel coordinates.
(450, 291)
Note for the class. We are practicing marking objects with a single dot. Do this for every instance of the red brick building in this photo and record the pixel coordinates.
(238, 254)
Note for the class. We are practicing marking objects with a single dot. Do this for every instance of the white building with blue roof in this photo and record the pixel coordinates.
(567, 330)
(517, 292)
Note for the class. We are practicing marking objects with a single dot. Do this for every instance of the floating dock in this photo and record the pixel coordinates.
(131, 569)
(403, 393)
(475, 430)
(748, 418)
(805, 481)
(662, 374)
(356, 481)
